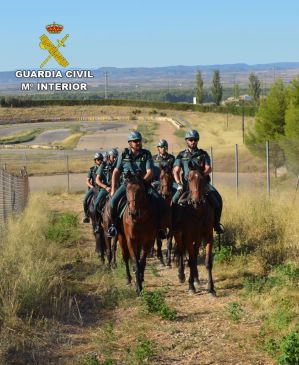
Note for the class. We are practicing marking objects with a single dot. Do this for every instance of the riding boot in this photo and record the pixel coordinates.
(112, 231)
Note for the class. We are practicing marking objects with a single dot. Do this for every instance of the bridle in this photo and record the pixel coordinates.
(202, 200)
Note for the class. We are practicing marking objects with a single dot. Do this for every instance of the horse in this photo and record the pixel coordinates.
(196, 225)
(139, 227)
(165, 190)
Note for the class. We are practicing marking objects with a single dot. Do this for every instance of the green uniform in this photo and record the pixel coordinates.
(161, 160)
(126, 162)
(105, 173)
(201, 158)
(91, 174)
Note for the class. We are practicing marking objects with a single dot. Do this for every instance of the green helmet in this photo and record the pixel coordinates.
(192, 133)
(133, 135)
(98, 156)
(113, 152)
(162, 143)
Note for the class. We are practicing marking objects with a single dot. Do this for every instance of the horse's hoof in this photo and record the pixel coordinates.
(191, 291)
(212, 294)
(129, 283)
(182, 280)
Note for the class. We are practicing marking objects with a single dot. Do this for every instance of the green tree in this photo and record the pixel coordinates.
(236, 91)
(290, 143)
(270, 125)
(254, 87)
(199, 88)
(216, 88)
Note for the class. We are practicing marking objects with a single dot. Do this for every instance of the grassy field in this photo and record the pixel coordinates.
(20, 137)
(57, 302)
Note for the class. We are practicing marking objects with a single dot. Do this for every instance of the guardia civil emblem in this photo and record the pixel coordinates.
(52, 49)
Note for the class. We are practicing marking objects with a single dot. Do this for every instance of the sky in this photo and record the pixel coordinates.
(153, 33)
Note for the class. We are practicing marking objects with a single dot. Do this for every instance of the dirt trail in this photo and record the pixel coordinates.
(104, 329)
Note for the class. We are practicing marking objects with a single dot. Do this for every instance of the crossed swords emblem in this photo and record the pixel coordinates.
(53, 50)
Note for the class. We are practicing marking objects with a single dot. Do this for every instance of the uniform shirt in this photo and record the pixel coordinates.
(127, 161)
(91, 174)
(161, 160)
(197, 156)
(105, 172)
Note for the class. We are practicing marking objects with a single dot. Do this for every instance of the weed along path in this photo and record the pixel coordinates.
(108, 324)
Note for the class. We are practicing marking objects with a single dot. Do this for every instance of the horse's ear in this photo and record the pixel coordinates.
(191, 165)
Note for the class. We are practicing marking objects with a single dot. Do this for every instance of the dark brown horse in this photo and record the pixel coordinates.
(165, 190)
(196, 225)
(96, 220)
(139, 228)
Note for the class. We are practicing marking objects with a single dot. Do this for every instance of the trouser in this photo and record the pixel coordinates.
(101, 195)
(215, 200)
(86, 198)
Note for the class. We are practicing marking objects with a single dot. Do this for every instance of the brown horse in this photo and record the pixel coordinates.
(196, 225)
(165, 190)
(139, 227)
(96, 220)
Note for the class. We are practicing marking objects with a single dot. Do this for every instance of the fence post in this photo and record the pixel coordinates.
(268, 167)
(212, 165)
(68, 173)
(297, 186)
(237, 169)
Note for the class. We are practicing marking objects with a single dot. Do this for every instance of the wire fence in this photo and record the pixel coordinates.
(267, 167)
(14, 192)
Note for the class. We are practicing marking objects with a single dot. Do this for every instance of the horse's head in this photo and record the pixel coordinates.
(197, 182)
(166, 180)
(136, 193)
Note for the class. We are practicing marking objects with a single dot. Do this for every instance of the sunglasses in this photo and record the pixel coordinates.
(193, 139)
(136, 140)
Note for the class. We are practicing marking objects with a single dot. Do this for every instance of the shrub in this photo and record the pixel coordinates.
(155, 303)
(64, 228)
(290, 349)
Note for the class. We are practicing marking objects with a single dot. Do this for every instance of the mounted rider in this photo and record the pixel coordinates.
(161, 159)
(90, 182)
(201, 158)
(103, 180)
(136, 160)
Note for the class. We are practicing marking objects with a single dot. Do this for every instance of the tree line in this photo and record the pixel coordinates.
(277, 121)
(216, 89)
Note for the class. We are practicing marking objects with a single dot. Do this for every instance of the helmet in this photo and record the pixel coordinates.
(162, 143)
(105, 154)
(134, 135)
(98, 156)
(113, 152)
(192, 133)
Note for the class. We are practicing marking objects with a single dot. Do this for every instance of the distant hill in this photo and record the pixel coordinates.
(174, 76)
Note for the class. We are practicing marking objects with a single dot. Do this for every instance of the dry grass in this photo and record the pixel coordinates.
(70, 142)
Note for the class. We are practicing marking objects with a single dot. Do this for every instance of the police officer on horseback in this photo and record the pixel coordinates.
(201, 158)
(103, 180)
(161, 159)
(136, 160)
(90, 181)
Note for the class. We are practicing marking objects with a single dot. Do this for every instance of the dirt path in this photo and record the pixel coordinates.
(108, 323)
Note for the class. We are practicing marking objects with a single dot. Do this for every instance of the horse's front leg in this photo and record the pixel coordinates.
(192, 263)
(169, 249)
(196, 252)
(114, 248)
(142, 264)
(159, 251)
(126, 256)
(209, 267)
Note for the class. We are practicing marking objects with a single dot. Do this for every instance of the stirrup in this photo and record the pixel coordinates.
(97, 229)
(112, 232)
(85, 219)
(219, 229)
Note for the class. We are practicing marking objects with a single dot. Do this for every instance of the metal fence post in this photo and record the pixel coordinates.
(268, 167)
(297, 186)
(237, 169)
(68, 173)
(212, 165)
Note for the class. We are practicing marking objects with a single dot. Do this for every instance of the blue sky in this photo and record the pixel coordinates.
(151, 33)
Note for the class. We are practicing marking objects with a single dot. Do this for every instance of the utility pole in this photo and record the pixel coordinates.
(106, 83)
